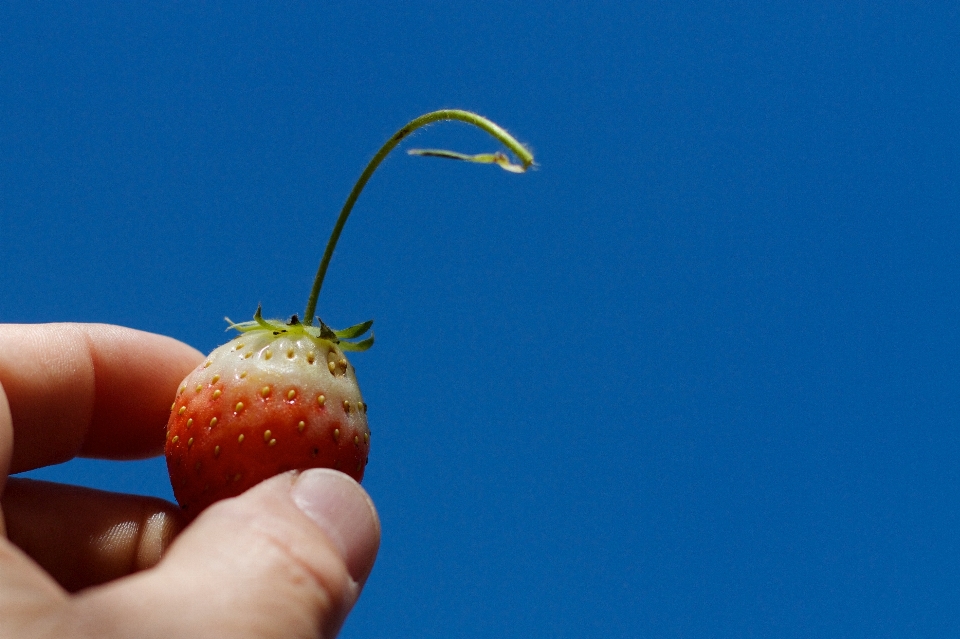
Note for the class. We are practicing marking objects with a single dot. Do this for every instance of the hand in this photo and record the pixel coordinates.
(285, 559)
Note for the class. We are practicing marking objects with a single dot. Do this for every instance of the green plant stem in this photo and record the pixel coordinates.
(525, 157)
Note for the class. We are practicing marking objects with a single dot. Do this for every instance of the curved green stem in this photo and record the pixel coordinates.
(525, 157)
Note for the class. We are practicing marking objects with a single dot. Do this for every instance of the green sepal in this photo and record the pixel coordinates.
(294, 326)
(327, 333)
(258, 318)
(242, 327)
(354, 331)
(362, 345)
(258, 323)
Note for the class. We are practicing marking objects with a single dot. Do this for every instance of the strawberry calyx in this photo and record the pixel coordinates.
(345, 338)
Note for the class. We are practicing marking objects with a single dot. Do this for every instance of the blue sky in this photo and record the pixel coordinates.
(695, 376)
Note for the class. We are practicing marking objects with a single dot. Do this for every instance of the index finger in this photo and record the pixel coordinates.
(88, 389)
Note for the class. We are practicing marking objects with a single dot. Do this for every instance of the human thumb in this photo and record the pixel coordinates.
(285, 559)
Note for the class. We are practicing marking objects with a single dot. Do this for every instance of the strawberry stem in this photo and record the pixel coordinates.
(525, 157)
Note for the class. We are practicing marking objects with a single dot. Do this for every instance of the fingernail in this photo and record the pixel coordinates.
(344, 511)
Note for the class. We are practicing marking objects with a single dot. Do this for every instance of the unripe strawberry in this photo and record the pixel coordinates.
(276, 398)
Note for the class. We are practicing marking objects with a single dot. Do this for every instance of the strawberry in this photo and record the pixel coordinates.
(282, 395)
(278, 397)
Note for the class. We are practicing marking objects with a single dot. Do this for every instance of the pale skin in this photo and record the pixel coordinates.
(288, 558)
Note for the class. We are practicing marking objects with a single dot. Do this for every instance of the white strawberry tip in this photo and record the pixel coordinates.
(293, 327)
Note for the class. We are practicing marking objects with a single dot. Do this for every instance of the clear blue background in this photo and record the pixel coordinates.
(695, 377)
